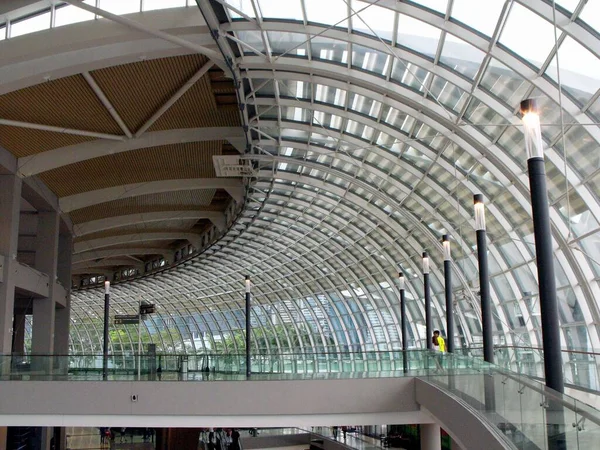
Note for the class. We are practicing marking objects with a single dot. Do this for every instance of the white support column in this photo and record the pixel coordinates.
(431, 437)
(46, 257)
(63, 315)
(10, 204)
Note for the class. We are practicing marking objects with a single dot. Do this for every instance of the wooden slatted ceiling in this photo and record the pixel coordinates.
(198, 108)
(24, 141)
(66, 102)
(193, 227)
(137, 90)
(189, 160)
(193, 200)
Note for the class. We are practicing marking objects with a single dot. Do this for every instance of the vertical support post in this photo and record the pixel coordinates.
(106, 337)
(404, 333)
(248, 328)
(448, 292)
(431, 436)
(63, 315)
(540, 211)
(10, 206)
(427, 289)
(484, 279)
(543, 246)
(139, 347)
(44, 309)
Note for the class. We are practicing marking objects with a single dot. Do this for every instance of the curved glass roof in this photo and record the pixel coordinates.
(372, 124)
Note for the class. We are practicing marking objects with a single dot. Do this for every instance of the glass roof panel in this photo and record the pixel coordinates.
(481, 16)
(579, 70)
(373, 19)
(276, 9)
(534, 50)
(245, 6)
(163, 4)
(331, 12)
(329, 49)
(119, 6)
(591, 14)
(289, 43)
(436, 5)
(38, 22)
(370, 60)
(461, 57)
(252, 38)
(69, 14)
(504, 83)
(417, 35)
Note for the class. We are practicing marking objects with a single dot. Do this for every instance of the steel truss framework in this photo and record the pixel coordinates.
(372, 125)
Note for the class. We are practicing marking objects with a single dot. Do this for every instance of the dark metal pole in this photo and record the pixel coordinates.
(543, 247)
(248, 328)
(106, 337)
(428, 321)
(448, 291)
(484, 280)
(403, 329)
(545, 268)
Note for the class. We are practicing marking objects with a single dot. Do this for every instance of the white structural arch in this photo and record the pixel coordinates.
(368, 146)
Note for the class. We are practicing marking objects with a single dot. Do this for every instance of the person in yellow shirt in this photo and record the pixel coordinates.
(439, 342)
(439, 347)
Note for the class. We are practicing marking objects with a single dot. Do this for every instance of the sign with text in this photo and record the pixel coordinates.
(126, 319)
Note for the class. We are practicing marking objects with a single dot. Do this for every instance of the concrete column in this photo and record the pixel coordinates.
(46, 257)
(63, 315)
(19, 333)
(10, 206)
(431, 437)
(455, 445)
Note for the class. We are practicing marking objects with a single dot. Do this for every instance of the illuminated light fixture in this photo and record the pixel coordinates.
(484, 279)
(448, 293)
(427, 290)
(540, 212)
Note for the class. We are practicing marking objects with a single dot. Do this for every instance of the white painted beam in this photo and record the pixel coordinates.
(180, 92)
(93, 226)
(31, 280)
(84, 246)
(41, 127)
(108, 262)
(89, 198)
(212, 54)
(106, 102)
(93, 255)
(52, 159)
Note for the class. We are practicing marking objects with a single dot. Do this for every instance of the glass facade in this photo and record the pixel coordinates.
(372, 125)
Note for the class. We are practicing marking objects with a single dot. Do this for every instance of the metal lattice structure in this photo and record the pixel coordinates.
(370, 125)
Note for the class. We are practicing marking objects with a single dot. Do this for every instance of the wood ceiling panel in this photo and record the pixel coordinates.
(25, 142)
(193, 200)
(198, 108)
(66, 102)
(189, 160)
(137, 90)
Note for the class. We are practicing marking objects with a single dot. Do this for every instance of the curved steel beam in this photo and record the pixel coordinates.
(53, 159)
(72, 202)
(107, 223)
(85, 246)
(93, 255)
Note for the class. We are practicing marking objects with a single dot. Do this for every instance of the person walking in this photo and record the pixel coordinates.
(439, 347)
(236, 443)
(335, 432)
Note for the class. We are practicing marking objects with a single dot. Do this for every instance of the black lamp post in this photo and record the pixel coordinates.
(428, 321)
(106, 337)
(543, 246)
(403, 331)
(248, 329)
(484, 279)
(448, 292)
